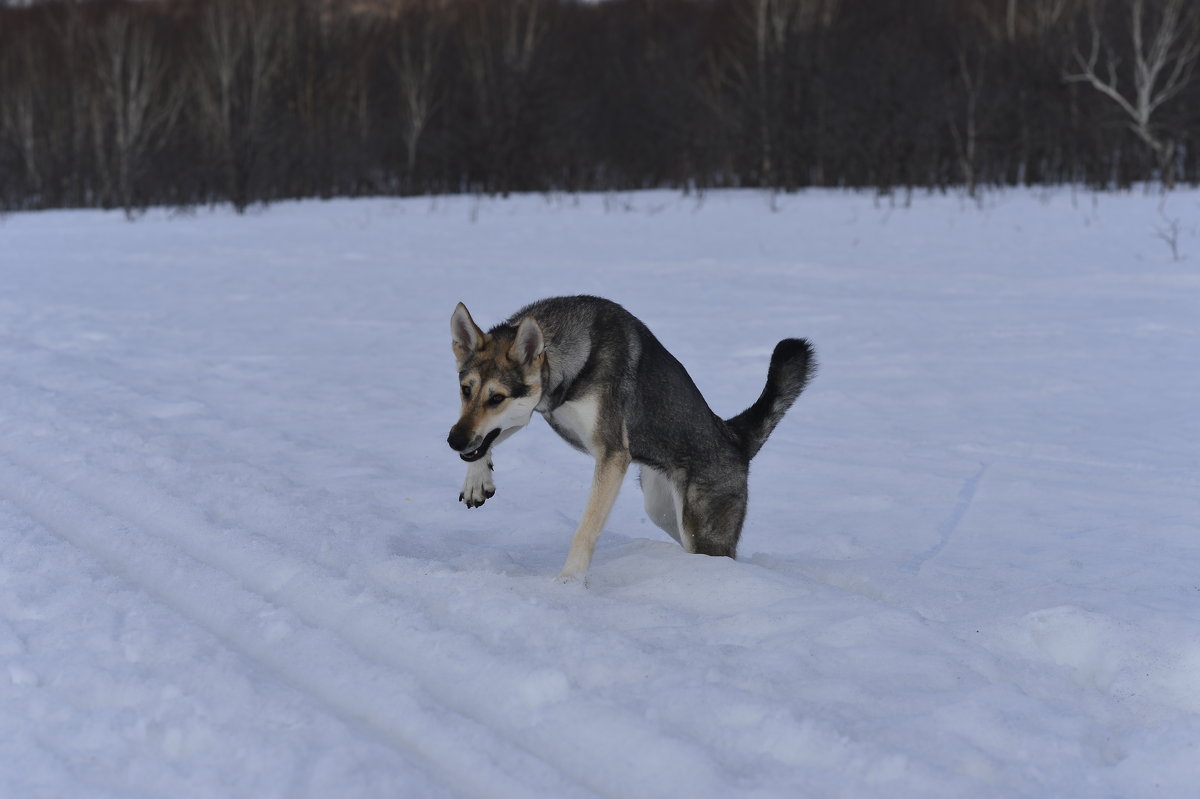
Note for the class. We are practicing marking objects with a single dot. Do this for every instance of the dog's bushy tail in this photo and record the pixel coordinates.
(792, 366)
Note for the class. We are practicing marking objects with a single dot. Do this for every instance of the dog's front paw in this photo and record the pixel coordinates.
(478, 487)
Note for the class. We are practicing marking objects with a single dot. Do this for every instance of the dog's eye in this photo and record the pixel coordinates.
(466, 392)
(496, 399)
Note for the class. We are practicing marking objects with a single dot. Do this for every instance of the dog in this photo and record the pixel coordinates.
(609, 388)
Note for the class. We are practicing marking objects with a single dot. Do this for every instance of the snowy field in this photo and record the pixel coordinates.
(233, 564)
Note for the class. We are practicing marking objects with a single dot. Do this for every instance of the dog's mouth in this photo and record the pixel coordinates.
(482, 449)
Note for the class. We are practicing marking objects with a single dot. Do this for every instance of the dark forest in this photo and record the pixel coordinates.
(132, 104)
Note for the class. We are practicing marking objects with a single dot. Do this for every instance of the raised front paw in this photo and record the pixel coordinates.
(478, 487)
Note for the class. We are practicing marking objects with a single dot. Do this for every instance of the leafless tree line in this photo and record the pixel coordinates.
(126, 104)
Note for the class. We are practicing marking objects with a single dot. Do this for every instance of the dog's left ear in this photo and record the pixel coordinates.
(528, 346)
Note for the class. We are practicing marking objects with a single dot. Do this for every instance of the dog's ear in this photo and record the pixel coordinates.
(465, 335)
(528, 346)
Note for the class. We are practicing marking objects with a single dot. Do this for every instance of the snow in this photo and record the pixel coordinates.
(232, 563)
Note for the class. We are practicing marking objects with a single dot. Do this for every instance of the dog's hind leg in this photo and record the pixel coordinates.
(662, 501)
(713, 513)
(606, 483)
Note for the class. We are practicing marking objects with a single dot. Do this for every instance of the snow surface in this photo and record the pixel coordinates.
(232, 563)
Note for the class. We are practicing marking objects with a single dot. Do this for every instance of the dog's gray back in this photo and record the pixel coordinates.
(596, 347)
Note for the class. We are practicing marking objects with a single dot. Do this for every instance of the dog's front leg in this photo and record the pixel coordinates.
(606, 483)
(478, 487)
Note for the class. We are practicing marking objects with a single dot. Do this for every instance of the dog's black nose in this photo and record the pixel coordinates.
(457, 440)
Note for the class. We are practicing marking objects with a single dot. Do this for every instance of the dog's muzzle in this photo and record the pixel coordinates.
(457, 444)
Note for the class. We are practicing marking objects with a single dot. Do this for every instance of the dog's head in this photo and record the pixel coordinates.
(499, 377)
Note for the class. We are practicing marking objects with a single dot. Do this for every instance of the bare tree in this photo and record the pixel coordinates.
(138, 100)
(22, 82)
(776, 22)
(772, 24)
(501, 43)
(71, 31)
(965, 131)
(422, 31)
(237, 66)
(1018, 18)
(1164, 50)
(776, 27)
(1046, 14)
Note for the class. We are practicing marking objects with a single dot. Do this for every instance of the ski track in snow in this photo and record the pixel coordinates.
(282, 606)
(231, 563)
(946, 529)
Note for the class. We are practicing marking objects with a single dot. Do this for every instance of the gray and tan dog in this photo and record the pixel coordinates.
(607, 386)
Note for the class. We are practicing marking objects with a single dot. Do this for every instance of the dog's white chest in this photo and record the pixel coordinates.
(576, 422)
